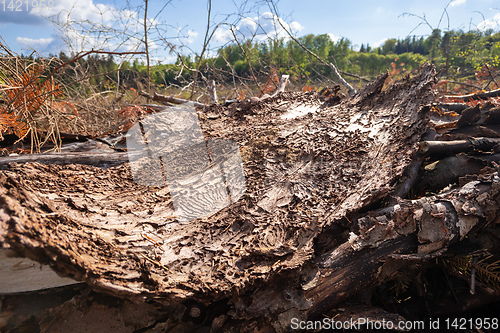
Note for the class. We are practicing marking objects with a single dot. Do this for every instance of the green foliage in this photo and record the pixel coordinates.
(458, 53)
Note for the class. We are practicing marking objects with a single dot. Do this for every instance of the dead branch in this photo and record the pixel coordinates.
(492, 77)
(408, 179)
(257, 83)
(459, 83)
(361, 78)
(146, 46)
(455, 107)
(334, 69)
(99, 159)
(458, 146)
(170, 99)
(86, 54)
(206, 41)
(446, 171)
(476, 96)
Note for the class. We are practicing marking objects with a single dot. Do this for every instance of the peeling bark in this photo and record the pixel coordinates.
(415, 229)
(305, 235)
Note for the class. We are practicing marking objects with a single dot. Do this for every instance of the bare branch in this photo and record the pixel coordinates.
(146, 46)
(334, 69)
(246, 58)
(170, 99)
(86, 54)
(478, 96)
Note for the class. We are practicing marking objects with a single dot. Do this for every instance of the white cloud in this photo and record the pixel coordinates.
(76, 10)
(333, 37)
(380, 43)
(492, 23)
(184, 37)
(223, 35)
(267, 25)
(191, 36)
(457, 3)
(35, 44)
(295, 27)
(84, 25)
(168, 59)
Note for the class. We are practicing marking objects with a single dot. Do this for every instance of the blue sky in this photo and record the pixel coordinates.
(182, 23)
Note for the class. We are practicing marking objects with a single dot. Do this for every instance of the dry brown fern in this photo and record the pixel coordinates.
(487, 269)
(28, 102)
(9, 124)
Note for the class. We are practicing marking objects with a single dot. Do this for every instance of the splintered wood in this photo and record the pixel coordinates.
(303, 175)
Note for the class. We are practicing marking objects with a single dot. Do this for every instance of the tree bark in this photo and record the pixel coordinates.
(412, 230)
(303, 236)
(98, 159)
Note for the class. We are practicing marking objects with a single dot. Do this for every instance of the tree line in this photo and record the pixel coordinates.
(458, 54)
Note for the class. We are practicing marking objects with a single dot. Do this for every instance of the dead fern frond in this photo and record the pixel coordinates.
(487, 269)
(9, 124)
(28, 100)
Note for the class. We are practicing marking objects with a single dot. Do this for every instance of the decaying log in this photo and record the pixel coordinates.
(100, 153)
(312, 173)
(412, 229)
(305, 171)
(98, 159)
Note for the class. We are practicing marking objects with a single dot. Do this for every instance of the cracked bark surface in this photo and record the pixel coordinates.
(313, 173)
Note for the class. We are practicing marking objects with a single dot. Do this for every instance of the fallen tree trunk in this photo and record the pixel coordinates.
(412, 230)
(98, 159)
(311, 172)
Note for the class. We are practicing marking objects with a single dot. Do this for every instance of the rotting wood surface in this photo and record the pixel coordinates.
(303, 175)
